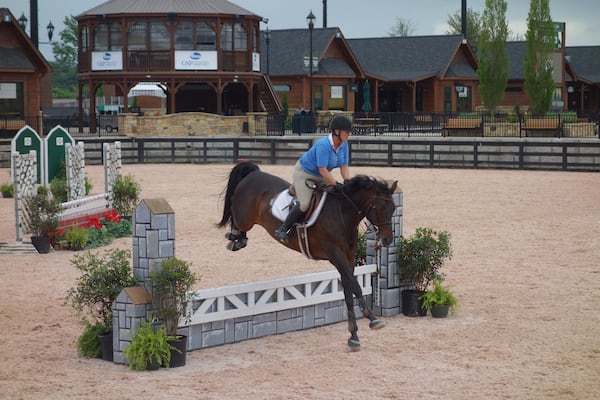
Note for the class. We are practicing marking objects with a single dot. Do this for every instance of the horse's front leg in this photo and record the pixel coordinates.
(353, 342)
(374, 321)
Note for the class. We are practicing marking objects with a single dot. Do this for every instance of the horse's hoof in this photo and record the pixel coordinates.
(239, 244)
(377, 324)
(353, 345)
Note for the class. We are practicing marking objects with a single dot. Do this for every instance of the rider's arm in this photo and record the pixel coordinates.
(327, 176)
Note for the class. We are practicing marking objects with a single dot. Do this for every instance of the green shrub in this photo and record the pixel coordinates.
(77, 238)
(7, 190)
(126, 191)
(88, 344)
(148, 345)
(361, 251)
(439, 296)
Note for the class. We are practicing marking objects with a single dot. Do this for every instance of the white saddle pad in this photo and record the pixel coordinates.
(280, 207)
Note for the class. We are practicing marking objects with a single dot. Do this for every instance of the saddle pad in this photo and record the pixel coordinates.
(280, 207)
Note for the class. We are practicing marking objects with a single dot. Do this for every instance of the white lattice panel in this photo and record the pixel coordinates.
(25, 185)
(75, 160)
(248, 299)
(112, 167)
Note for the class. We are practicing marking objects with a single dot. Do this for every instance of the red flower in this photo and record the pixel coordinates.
(94, 222)
(112, 217)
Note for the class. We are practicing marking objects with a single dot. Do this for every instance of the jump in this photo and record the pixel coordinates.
(248, 200)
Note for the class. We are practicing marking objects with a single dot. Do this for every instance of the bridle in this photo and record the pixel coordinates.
(369, 210)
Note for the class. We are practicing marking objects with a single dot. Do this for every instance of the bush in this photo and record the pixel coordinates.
(88, 344)
(126, 193)
(361, 251)
(148, 345)
(77, 238)
(7, 190)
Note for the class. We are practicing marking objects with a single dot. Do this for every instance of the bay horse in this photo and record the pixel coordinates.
(333, 237)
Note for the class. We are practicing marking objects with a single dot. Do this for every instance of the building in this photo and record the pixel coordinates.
(25, 77)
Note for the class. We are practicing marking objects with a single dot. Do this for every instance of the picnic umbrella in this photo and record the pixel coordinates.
(366, 106)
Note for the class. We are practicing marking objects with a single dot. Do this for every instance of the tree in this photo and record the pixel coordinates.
(539, 40)
(493, 58)
(473, 25)
(402, 27)
(64, 78)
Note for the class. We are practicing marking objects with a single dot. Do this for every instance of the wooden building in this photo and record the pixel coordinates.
(25, 77)
(206, 53)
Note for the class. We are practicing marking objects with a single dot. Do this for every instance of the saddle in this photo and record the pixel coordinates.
(284, 201)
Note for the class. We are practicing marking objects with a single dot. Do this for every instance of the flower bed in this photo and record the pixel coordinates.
(94, 231)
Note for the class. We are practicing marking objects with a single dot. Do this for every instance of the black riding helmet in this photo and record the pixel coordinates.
(342, 123)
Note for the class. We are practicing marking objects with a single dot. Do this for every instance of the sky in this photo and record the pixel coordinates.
(356, 18)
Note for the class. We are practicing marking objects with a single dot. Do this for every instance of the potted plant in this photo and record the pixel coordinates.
(440, 300)
(419, 260)
(125, 195)
(7, 190)
(149, 348)
(43, 218)
(171, 282)
(102, 279)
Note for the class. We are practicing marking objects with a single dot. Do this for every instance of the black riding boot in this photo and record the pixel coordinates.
(283, 232)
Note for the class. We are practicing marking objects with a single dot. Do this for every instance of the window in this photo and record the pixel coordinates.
(514, 89)
(206, 38)
(227, 37)
(11, 100)
(337, 97)
(184, 36)
(240, 37)
(101, 37)
(116, 37)
(84, 39)
(136, 36)
(159, 36)
(282, 88)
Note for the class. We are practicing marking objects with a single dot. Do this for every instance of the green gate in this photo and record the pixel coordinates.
(55, 151)
(26, 140)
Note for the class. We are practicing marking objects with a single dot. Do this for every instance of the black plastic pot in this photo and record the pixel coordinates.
(439, 311)
(178, 357)
(412, 306)
(106, 345)
(41, 244)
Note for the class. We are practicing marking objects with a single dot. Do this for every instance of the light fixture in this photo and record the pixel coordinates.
(50, 29)
(310, 20)
(23, 21)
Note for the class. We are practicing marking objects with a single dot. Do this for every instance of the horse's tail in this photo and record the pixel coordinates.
(239, 172)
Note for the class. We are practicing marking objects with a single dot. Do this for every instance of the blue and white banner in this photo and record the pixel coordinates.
(107, 60)
(196, 60)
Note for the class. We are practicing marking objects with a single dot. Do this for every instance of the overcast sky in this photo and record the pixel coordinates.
(357, 18)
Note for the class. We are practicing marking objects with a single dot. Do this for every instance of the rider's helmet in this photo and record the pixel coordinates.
(342, 123)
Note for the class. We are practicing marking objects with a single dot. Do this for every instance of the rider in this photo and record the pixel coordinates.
(315, 165)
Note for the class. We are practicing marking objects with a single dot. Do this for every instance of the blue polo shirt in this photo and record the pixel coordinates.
(322, 154)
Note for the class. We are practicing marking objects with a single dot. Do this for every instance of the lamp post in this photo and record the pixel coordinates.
(268, 40)
(310, 19)
(49, 28)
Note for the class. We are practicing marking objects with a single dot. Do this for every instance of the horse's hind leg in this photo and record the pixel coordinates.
(375, 322)
(353, 342)
(237, 240)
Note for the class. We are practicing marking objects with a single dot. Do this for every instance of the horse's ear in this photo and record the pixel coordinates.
(394, 187)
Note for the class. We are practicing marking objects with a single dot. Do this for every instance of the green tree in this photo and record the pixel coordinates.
(493, 58)
(402, 27)
(473, 25)
(539, 40)
(64, 78)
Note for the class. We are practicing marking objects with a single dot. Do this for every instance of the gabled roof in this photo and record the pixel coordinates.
(516, 60)
(409, 58)
(585, 61)
(22, 58)
(167, 6)
(289, 47)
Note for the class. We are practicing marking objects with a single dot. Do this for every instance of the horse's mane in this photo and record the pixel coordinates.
(364, 182)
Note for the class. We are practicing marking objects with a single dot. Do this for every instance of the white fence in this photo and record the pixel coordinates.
(263, 297)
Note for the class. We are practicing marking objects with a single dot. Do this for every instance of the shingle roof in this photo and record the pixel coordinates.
(167, 6)
(288, 47)
(406, 58)
(14, 58)
(585, 60)
(516, 60)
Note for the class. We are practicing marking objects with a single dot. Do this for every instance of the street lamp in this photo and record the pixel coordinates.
(310, 19)
(268, 40)
(49, 28)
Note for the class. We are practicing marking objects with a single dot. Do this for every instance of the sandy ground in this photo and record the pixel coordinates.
(525, 269)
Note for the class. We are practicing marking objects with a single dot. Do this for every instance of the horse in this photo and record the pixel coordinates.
(334, 235)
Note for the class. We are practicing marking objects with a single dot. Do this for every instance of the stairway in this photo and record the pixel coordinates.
(268, 98)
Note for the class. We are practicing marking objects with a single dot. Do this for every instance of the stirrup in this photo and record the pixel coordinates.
(283, 234)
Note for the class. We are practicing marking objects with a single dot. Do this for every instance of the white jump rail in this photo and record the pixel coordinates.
(217, 304)
(86, 205)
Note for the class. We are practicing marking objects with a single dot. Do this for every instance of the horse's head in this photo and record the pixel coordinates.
(378, 206)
